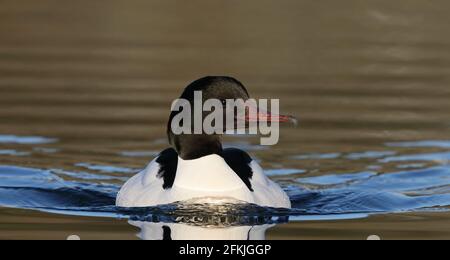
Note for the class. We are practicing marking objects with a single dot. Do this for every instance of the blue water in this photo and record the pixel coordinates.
(92, 190)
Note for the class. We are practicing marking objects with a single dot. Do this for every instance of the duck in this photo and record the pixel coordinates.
(198, 168)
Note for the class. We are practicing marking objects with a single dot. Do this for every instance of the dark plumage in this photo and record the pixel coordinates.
(168, 161)
(239, 161)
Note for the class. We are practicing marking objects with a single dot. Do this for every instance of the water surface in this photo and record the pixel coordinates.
(85, 89)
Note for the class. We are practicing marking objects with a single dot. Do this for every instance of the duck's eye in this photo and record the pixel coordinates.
(223, 101)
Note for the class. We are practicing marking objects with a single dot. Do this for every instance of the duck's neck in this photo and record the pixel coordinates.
(190, 147)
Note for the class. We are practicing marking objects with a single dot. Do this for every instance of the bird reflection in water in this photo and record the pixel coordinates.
(207, 222)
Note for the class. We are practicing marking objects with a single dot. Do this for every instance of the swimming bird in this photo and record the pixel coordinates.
(198, 167)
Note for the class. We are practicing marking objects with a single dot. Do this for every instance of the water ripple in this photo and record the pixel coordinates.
(333, 197)
(13, 139)
(437, 144)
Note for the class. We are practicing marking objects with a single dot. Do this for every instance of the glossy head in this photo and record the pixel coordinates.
(194, 146)
(222, 90)
(216, 87)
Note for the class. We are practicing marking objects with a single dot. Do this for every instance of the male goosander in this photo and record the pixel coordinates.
(197, 167)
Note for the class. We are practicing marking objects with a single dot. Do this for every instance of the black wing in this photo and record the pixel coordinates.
(239, 161)
(168, 161)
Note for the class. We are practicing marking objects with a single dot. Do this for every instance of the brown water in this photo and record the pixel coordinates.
(99, 77)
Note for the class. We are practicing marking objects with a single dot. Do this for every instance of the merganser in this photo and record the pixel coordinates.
(197, 166)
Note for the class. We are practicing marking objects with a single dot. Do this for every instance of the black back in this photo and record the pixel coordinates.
(239, 161)
(168, 161)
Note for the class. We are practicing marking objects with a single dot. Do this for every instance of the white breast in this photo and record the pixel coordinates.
(209, 174)
(206, 177)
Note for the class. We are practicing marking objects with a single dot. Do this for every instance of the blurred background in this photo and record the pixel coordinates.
(99, 76)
